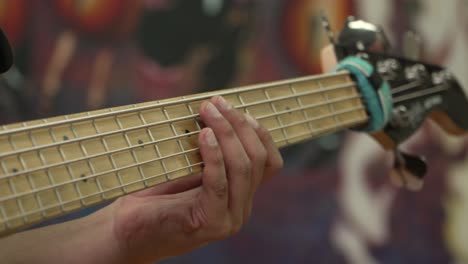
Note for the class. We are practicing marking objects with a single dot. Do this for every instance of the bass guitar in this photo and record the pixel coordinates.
(54, 166)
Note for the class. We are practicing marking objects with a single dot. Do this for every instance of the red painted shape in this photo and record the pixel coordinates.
(100, 17)
(13, 15)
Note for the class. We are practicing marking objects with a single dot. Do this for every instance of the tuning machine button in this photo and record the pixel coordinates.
(415, 72)
(441, 77)
(388, 68)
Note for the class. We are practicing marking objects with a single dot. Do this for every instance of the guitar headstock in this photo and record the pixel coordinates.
(419, 91)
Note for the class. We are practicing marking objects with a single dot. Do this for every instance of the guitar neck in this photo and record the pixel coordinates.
(53, 166)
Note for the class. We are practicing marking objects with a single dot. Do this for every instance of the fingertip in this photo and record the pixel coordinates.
(264, 134)
(208, 137)
(221, 103)
(252, 121)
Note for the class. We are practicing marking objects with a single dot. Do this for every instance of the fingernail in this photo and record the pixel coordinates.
(252, 121)
(222, 103)
(211, 109)
(210, 138)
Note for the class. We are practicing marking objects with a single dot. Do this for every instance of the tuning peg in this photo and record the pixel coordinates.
(412, 46)
(409, 171)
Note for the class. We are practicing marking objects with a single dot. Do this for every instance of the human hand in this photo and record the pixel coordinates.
(177, 217)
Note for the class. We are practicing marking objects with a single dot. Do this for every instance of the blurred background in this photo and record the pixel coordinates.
(333, 202)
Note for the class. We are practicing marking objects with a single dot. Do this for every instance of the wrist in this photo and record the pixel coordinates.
(85, 240)
(96, 238)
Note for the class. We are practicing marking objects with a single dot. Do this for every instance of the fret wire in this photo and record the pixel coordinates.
(154, 141)
(43, 163)
(163, 164)
(331, 108)
(5, 170)
(280, 123)
(189, 107)
(28, 175)
(140, 170)
(192, 113)
(51, 179)
(127, 140)
(47, 172)
(23, 167)
(275, 113)
(3, 216)
(31, 183)
(18, 201)
(2, 155)
(180, 153)
(84, 153)
(175, 134)
(304, 108)
(143, 175)
(203, 96)
(316, 132)
(12, 143)
(179, 140)
(242, 103)
(75, 185)
(98, 183)
(13, 188)
(299, 102)
(67, 167)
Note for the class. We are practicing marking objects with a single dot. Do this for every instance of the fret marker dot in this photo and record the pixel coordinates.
(141, 142)
(82, 176)
(288, 109)
(187, 131)
(65, 138)
(14, 170)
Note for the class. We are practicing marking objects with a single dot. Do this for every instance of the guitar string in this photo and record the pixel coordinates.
(139, 164)
(317, 132)
(76, 140)
(410, 96)
(86, 158)
(434, 89)
(194, 98)
(399, 99)
(173, 120)
(406, 87)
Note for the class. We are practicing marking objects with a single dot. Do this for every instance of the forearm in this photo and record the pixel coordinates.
(86, 240)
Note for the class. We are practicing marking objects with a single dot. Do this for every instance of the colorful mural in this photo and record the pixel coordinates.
(333, 202)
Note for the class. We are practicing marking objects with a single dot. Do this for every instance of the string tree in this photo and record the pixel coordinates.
(416, 72)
